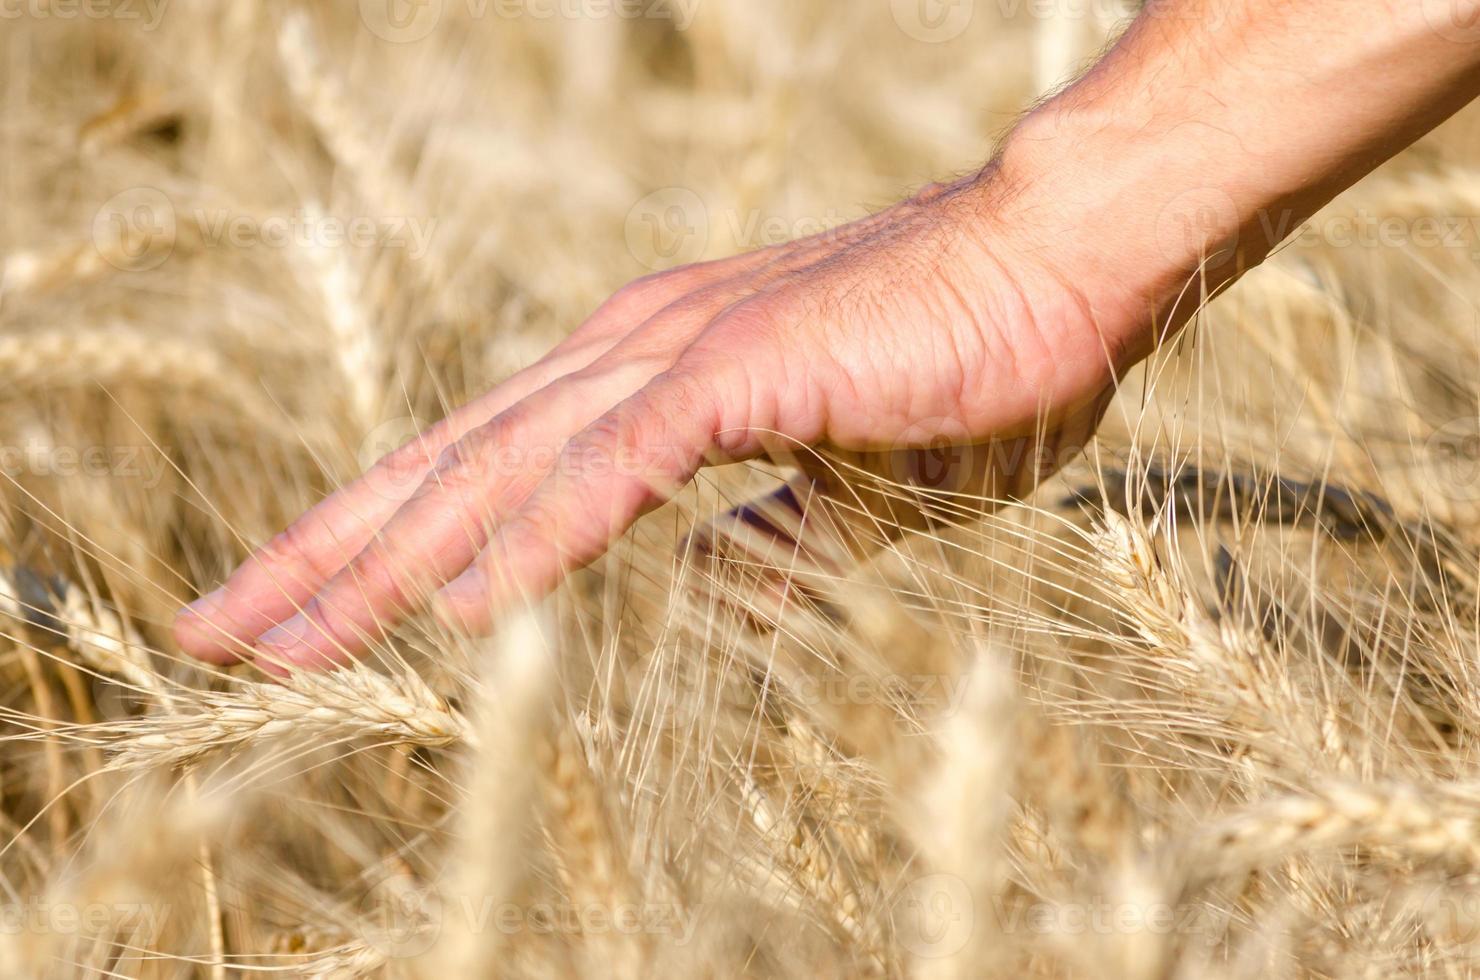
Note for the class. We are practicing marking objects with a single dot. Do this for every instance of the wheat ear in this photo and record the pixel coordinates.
(336, 705)
(1424, 821)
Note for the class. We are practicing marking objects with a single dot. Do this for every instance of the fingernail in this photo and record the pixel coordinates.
(469, 585)
(285, 636)
(454, 601)
(206, 606)
(199, 631)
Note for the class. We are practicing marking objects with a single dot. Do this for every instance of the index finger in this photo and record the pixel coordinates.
(278, 578)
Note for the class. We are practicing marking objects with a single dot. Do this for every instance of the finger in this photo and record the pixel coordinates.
(277, 579)
(628, 462)
(439, 531)
(786, 552)
(437, 534)
(787, 549)
(772, 553)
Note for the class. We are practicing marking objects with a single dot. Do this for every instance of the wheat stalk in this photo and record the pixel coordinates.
(1221, 668)
(123, 356)
(499, 803)
(344, 963)
(1424, 821)
(962, 828)
(353, 342)
(1282, 773)
(336, 706)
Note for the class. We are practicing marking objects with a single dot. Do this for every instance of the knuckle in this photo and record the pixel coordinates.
(632, 297)
(697, 305)
(615, 428)
(409, 462)
(527, 532)
(643, 297)
(334, 623)
(482, 451)
(461, 455)
(714, 385)
(746, 332)
(494, 464)
(693, 382)
(298, 544)
(464, 468)
(577, 525)
(373, 573)
(677, 427)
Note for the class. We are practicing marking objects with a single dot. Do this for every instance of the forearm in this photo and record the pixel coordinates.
(1213, 129)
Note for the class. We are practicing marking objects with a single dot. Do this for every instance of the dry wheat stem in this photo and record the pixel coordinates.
(1293, 758)
(124, 355)
(1420, 821)
(1223, 669)
(349, 704)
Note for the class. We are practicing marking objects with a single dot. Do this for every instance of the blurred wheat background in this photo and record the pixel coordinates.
(1205, 707)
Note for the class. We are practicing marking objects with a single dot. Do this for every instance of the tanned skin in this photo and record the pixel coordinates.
(996, 308)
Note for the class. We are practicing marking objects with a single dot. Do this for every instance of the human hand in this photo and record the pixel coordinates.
(993, 311)
(930, 322)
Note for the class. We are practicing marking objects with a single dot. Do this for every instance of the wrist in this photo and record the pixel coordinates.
(1074, 205)
(1188, 153)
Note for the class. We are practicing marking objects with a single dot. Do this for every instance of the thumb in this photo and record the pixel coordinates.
(787, 549)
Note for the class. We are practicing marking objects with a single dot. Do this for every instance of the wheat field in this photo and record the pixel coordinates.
(1205, 706)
